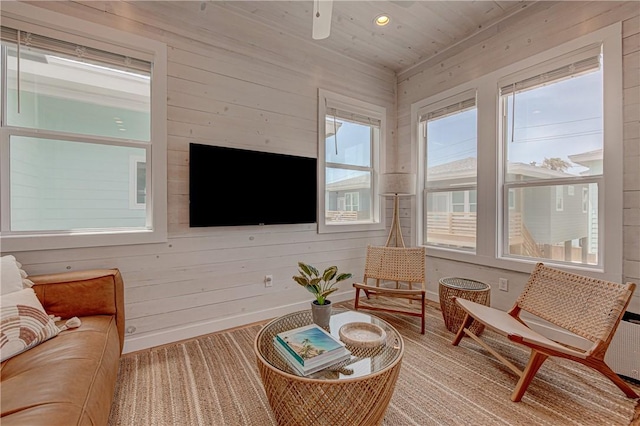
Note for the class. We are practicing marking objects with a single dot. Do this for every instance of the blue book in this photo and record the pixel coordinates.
(311, 345)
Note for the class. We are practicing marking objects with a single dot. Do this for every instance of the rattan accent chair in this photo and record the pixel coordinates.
(589, 308)
(399, 266)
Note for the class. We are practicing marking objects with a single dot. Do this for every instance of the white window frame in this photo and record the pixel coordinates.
(492, 207)
(52, 24)
(418, 110)
(327, 99)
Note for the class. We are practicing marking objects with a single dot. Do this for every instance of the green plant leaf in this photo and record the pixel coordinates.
(307, 269)
(303, 281)
(327, 292)
(329, 273)
(315, 289)
(343, 277)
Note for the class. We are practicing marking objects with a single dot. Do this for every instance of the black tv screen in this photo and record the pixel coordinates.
(234, 187)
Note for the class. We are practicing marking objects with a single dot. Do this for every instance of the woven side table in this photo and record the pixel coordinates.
(464, 288)
(355, 393)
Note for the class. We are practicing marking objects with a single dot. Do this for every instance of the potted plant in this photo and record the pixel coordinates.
(321, 286)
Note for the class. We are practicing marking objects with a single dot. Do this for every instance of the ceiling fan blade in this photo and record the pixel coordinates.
(322, 18)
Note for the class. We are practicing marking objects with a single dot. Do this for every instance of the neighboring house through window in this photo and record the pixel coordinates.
(83, 121)
(351, 137)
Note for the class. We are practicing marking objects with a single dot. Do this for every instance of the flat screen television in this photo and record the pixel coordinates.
(235, 187)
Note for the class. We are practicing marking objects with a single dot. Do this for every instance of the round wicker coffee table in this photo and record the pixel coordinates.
(355, 392)
(463, 288)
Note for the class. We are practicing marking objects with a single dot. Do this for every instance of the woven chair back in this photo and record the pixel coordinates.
(395, 264)
(588, 307)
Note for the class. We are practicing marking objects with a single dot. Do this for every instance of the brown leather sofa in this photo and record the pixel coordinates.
(69, 379)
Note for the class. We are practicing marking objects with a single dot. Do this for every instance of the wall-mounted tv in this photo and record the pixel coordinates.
(235, 187)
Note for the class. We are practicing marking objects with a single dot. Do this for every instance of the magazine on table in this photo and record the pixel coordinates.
(311, 345)
(302, 370)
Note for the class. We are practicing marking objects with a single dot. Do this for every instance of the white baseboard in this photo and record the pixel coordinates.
(146, 341)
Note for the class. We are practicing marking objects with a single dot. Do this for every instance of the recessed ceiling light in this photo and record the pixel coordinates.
(382, 20)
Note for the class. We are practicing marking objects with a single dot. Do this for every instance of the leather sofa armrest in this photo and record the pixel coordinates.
(83, 293)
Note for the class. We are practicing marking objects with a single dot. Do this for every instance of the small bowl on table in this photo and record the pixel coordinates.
(362, 334)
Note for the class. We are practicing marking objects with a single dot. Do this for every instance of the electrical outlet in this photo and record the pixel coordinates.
(503, 284)
(268, 280)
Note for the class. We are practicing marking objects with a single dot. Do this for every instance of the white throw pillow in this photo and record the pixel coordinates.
(23, 323)
(26, 282)
(10, 277)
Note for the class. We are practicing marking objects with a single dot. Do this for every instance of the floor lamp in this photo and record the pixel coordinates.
(397, 185)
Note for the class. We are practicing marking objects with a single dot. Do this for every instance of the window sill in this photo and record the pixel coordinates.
(520, 264)
(17, 243)
(348, 227)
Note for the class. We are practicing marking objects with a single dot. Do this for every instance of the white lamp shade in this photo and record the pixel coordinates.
(398, 184)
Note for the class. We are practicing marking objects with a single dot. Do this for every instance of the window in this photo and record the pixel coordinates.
(352, 201)
(449, 131)
(512, 199)
(80, 130)
(552, 146)
(541, 157)
(559, 199)
(351, 134)
(138, 183)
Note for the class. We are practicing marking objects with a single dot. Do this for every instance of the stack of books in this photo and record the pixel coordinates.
(309, 349)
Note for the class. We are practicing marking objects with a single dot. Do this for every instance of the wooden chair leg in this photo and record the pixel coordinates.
(422, 315)
(468, 319)
(611, 375)
(535, 361)
(356, 304)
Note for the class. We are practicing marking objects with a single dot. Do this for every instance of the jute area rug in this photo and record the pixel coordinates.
(213, 380)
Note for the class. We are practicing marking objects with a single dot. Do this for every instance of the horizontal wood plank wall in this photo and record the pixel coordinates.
(546, 24)
(232, 82)
(631, 167)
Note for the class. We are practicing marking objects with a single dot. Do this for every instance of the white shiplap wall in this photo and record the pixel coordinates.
(545, 25)
(232, 82)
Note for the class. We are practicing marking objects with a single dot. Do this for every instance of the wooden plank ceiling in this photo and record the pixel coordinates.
(418, 29)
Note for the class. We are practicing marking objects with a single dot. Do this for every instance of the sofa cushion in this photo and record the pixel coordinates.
(24, 325)
(69, 380)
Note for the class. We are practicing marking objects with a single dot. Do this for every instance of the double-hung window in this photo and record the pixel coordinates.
(552, 132)
(82, 142)
(448, 131)
(524, 164)
(352, 135)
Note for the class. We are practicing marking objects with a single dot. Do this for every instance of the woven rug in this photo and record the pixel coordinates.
(213, 380)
